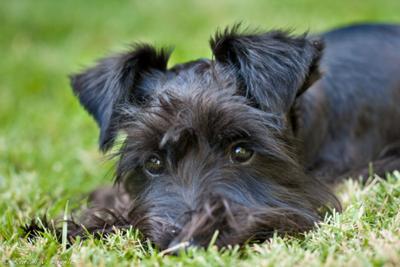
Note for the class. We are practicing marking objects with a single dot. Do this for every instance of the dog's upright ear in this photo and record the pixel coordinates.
(113, 82)
(273, 68)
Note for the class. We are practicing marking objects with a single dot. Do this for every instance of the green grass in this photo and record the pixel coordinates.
(48, 144)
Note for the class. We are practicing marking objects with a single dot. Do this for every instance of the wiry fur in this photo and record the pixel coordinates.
(259, 91)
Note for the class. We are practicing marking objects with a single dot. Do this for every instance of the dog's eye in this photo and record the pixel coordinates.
(240, 154)
(154, 165)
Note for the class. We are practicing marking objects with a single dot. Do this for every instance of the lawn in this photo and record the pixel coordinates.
(48, 144)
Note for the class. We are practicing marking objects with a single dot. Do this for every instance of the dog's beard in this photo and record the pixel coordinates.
(235, 223)
(238, 220)
(231, 223)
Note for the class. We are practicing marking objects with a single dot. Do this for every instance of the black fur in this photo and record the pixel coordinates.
(306, 117)
(272, 67)
(113, 82)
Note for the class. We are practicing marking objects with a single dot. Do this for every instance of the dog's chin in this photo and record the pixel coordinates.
(227, 223)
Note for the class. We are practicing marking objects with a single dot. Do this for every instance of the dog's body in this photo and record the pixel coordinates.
(244, 143)
(351, 116)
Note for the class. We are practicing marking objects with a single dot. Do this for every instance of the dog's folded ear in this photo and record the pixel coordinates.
(114, 81)
(272, 67)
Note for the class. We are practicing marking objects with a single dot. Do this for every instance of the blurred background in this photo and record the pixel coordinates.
(48, 143)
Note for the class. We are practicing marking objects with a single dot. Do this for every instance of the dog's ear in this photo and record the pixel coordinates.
(272, 68)
(112, 82)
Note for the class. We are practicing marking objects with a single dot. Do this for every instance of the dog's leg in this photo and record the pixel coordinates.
(388, 161)
(106, 211)
(107, 207)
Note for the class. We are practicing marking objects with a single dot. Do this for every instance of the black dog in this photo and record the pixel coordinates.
(248, 142)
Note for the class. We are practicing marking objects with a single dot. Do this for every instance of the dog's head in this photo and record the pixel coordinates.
(208, 144)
